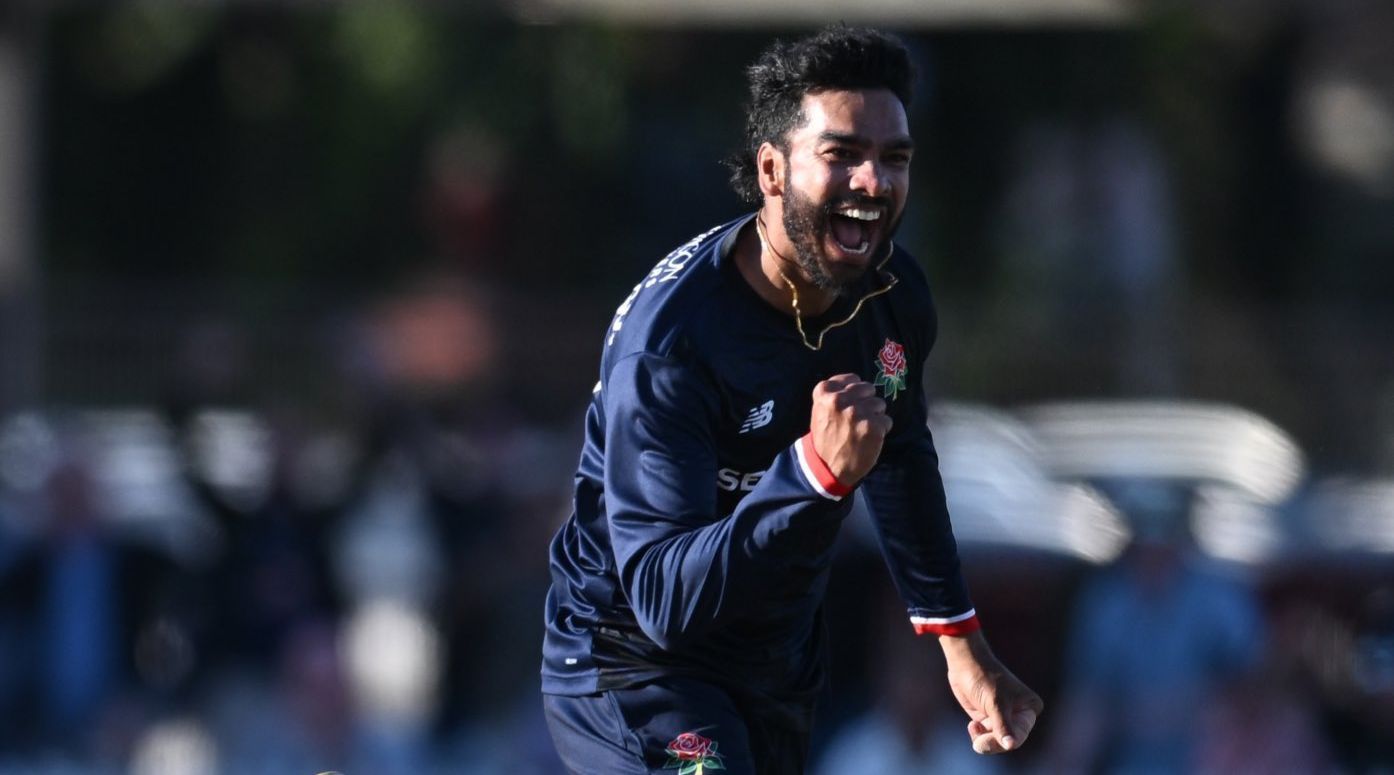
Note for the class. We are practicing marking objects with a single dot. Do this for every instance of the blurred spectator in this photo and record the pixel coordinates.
(474, 474)
(1270, 720)
(392, 657)
(439, 501)
(1351, 660)
(274, 570)
(1154, 638)
(1375, 669)
(76, 601)
(300, 723)
(466, 199)
(1260, 725)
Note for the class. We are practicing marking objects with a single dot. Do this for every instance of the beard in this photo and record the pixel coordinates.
(806, 224)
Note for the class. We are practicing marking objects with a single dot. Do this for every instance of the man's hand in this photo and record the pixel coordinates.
(1001, 709)
(848, 424)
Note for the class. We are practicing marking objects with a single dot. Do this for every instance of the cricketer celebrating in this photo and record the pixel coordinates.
(751, 382)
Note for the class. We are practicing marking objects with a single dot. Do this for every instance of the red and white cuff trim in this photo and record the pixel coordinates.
(817, 472)
(951, 625)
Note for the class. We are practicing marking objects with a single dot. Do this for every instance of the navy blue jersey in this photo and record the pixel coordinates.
(704, 522)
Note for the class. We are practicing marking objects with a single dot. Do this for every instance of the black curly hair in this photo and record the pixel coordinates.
(836, 57)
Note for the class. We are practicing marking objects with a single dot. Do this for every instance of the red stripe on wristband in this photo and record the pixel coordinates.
(957, 625)
(817, 471)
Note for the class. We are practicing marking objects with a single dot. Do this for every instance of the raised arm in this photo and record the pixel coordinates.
(683, 567)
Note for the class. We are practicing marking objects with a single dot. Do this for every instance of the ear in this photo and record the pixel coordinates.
(769, 169)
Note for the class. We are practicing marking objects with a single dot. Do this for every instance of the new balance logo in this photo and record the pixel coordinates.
(759, 417)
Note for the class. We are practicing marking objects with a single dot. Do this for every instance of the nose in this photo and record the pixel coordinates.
(870, 179)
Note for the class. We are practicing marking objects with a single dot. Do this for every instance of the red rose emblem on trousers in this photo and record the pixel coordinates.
(892, 358)
(690, 746)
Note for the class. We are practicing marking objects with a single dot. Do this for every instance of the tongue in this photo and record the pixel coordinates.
(848, 232)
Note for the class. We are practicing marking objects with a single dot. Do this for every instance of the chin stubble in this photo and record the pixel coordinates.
(805, 224)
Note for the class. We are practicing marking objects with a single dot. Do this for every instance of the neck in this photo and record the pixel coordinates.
(768, 265)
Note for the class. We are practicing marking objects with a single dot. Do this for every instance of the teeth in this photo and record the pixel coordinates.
(860, 249)
(861, 215)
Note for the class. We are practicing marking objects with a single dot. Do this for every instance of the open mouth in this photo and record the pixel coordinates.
(854, 228)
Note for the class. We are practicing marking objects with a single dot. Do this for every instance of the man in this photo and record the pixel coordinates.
(730, 427)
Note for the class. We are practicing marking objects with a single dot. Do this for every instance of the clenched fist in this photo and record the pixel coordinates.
(848, 426)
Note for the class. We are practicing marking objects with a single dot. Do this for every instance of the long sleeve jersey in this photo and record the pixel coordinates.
(704, 520)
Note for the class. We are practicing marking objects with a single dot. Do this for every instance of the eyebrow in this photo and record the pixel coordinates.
(901, 143)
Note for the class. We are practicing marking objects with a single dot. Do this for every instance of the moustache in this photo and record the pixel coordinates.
(858, 201)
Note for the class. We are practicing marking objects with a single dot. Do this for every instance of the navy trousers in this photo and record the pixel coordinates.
(670, 726)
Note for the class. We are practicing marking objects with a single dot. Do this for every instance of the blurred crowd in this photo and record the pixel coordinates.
(1165, 662)
(232, 583)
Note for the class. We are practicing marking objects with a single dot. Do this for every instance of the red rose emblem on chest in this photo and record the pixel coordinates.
(892, 359)
(890, 369)
(693, 754)
(690, 746)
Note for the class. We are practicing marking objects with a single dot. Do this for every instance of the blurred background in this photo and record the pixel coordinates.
(301, 303)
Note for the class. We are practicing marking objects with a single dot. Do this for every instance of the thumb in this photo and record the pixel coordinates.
(1001, 727)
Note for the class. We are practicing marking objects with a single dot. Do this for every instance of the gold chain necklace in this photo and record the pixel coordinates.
(891, 280)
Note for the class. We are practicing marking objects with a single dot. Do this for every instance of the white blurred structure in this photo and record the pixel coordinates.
(1177, 440)
(1241, 466)
(1000, 493)
(1231, 526)
(1351, 515)
(393, 655)
(232, 449)
(177, 747)
(1025, 479)
(29, 451)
